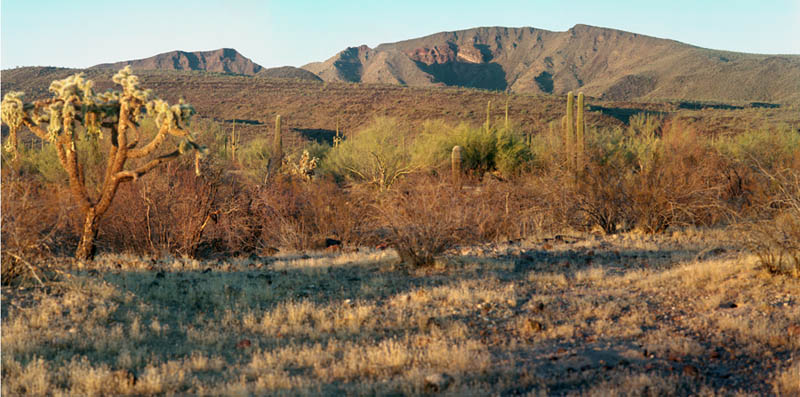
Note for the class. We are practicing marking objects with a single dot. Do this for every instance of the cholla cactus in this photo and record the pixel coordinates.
(305, 166)
(74, 103)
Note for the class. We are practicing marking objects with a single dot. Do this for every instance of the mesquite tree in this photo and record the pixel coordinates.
(113, 116)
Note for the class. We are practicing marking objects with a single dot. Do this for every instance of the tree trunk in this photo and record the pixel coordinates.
(86, 248)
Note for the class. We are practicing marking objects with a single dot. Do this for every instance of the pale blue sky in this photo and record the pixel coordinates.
(78, 33)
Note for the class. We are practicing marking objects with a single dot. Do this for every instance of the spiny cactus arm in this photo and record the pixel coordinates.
(69, 160)
(169, 120)
(139, 172)
(163, 132)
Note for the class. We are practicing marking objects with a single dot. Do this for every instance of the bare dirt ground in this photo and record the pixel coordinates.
(579, 314)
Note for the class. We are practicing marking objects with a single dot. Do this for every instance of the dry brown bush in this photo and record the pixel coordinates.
(35, 225)
(300, 215)
(682, 187)
(601, 194)
(425, 216)
(776, 241)
(166, 212)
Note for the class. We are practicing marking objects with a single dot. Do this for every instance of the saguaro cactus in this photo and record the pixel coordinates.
(574, 133)
(569, 132)
(277, 144)
(506, 120)
(234, 141)
(455, 165)
(580, 144)
(113, 116)
(488, 115)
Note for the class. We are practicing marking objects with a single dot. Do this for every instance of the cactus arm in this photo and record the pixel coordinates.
(580, 143)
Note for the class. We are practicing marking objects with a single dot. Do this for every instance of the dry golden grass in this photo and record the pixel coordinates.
(622, 315)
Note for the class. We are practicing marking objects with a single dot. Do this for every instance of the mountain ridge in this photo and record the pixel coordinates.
(223, 60)
(607, 63)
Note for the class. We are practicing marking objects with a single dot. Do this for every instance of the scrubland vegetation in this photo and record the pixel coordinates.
(656, 260)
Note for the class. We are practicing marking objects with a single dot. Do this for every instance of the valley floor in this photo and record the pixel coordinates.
(687, 313)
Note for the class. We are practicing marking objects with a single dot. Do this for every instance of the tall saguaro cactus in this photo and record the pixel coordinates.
(234, 141)
(506, 119)
(488, 115)
(567, 125)
(580, 144)
(455, 165)
(277, 146)
(112, 117)
(574, 133)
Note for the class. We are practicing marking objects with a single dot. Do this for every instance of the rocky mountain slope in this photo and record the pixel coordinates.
(223, 60)
(606, 63)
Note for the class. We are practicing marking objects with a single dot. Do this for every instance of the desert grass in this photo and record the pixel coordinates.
(631, 314)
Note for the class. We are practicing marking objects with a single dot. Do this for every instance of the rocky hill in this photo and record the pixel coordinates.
(605, 63)
(223, 60)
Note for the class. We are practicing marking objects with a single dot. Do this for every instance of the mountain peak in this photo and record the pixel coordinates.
(222, 60)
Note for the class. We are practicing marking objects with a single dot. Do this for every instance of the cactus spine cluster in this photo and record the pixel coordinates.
(574, 133)
(455, 165)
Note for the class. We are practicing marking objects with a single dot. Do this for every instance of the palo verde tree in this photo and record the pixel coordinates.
(113, 116)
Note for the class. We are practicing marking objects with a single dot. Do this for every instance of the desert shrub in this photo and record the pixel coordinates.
(677, 180)
(377, 155)
(546, 148)
(256, 156)
(600, 193)
(503, 150)
(167, 212)
(768, 148)
(776, 241)
(298, 215)
(36, 225)
(426, 216)
(318, 150)
(652, 175)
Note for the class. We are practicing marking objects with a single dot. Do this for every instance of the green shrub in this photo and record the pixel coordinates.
(502, 150)
(256, 156)
(377, 155)
(769, 148)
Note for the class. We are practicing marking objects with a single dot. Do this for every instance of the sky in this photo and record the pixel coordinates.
(82, 33)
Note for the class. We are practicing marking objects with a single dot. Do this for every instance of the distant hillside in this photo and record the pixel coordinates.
(606, 63)
(288, 72)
